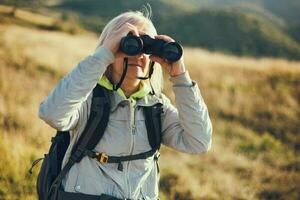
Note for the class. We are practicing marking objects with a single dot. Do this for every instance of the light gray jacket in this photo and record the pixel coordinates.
(187, 128)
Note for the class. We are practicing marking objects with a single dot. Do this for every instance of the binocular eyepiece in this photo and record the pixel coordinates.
(133, 45)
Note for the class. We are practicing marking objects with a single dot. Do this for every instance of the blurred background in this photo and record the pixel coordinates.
(244, 54)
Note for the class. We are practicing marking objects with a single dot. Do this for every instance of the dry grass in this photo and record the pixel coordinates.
(28, 16)
(53, 50)
(35, 18)
(248, 160)
(229, 61)
(31, 18)
(5, 9)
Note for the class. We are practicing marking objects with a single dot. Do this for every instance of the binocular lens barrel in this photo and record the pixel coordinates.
(172, 51)
(133, 45)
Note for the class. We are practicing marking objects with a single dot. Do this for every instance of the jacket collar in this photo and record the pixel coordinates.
(139, 98)
(117, 100)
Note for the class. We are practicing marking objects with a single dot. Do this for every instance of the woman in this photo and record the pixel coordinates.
(67, 107)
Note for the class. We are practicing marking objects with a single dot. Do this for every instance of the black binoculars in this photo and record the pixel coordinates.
(133, 45)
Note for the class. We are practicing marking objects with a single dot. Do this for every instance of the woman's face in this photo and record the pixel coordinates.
(138, 66)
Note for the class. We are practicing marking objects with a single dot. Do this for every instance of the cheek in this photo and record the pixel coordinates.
(146, 61)
(146, 58)
(118, 65)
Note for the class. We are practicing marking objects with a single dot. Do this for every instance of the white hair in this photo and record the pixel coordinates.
(141, 19)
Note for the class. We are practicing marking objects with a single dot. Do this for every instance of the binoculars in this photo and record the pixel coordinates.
(133, 45)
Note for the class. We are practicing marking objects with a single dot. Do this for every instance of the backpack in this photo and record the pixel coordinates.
(51, 173)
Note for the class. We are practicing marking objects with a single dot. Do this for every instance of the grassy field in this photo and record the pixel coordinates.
(254, 105)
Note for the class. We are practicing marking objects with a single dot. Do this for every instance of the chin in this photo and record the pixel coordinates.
(135, 72)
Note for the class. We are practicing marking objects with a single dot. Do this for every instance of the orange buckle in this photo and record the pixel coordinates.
(103, 157)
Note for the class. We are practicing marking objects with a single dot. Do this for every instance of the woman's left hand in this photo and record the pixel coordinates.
(175, 68)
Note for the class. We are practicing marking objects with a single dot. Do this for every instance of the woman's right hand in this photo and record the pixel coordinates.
(112, 41)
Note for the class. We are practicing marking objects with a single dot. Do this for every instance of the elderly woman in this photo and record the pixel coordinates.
(186, 128)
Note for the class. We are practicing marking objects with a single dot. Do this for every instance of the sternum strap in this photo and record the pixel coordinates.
(119, 159)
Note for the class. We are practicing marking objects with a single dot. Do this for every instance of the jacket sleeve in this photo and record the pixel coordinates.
(62, 106)
(187, 128)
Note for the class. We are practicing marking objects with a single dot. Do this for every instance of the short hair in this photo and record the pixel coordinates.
(143, 22)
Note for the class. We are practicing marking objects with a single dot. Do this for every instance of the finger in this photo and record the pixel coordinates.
(136, 32)
(158, 59)
(125, 29)
(165, 38)
(120, 54)
(122, 26)
(142, 32)
(133, 29)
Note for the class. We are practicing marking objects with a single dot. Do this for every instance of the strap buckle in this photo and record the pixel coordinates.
(102, 157)
(157, 155)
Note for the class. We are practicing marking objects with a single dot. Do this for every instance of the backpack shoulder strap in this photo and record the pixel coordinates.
(96, 124)
(153, 124)
(91, 134)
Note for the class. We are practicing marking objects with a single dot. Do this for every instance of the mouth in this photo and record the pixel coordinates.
(134, 65)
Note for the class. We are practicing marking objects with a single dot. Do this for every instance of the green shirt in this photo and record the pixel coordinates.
(143, 91)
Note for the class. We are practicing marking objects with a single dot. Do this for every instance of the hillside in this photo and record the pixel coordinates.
(232, 32)
(254, 105)
(286, 11)
(241, 27)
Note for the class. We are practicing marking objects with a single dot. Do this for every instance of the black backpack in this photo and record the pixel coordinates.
(51, 174)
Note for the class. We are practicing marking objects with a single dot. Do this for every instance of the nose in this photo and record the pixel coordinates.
(140, 59)
(140, 55)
